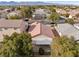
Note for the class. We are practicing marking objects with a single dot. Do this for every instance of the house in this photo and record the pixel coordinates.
(3, 14)
(42, 36)
(68, 30)
(40, 14)
(9, 10)
(62, 19)
(14, 13)
(7, 27)
(73, 13)
(61, 11)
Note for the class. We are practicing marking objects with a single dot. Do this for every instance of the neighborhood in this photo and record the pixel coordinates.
(39, 31)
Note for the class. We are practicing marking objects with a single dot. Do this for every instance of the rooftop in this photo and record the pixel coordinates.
(10, 23)
(37, 28)
(13, 24)
(68, 30)
(40, 11)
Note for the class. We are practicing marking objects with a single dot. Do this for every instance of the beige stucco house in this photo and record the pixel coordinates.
(7, 27)
(42, 37)
(40, 14)
(61, 11)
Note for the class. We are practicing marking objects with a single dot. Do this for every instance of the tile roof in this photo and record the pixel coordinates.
(68, 30)
(73, 12)
(37, 28)
(40, 11)
(61, 11)
(12, 24)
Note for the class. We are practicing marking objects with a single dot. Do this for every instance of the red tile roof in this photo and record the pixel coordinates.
(40, 29)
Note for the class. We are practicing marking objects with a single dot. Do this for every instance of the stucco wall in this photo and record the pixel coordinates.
(42, 40)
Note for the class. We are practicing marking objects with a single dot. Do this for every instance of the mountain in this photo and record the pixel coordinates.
(66, 2)
(23, 3)
(41, 3)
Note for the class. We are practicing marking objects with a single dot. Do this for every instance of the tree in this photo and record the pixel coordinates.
(77, 48)
(70, 21)
(14, 17)
(16, 45)
(54, 17)
(63, 47)
(52, 9)
(26, 12)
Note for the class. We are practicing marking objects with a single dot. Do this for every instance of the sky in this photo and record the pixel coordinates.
(38, 0)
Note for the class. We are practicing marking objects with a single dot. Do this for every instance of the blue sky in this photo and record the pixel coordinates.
(38, 0)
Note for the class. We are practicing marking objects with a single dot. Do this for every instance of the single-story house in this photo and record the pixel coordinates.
(68, 30)
(40, 14)
(7, 27)
(14, 13)
(42, 36)
(61, 11)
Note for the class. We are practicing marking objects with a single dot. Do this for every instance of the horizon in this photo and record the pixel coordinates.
(39, 0)
(63, 2)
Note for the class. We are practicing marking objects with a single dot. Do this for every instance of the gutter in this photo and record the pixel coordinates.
(60, 34)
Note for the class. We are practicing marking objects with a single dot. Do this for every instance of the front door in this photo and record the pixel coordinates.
(41, 51)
